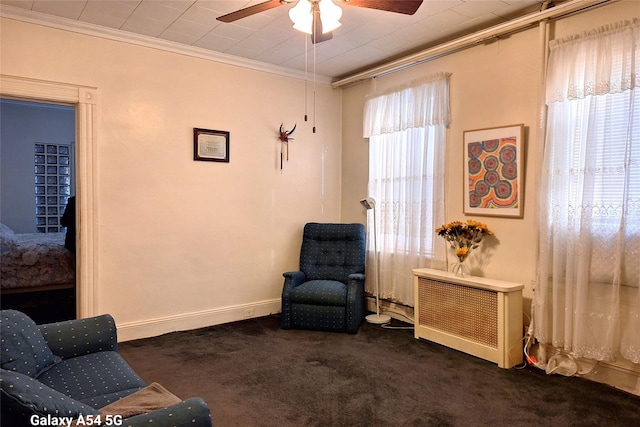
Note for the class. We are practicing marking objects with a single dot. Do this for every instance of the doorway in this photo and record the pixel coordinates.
(84, 101)
(37, 172)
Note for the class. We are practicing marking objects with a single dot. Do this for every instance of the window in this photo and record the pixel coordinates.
(603, 193)
(402, 175)
(407, 133)
(587, 298)
(592, 155)
(52, 169)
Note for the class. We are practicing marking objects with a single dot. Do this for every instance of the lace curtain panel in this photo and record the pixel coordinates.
(407, 134)
(587, 297)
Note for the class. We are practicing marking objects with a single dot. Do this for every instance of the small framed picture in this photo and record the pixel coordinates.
(210, 145)
(494, 171)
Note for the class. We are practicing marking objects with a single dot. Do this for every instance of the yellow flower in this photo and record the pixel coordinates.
(464, 236)
(462, 252)
(479, 226)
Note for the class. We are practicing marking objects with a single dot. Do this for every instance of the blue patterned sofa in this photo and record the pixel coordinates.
(72, 369)
(327, 293)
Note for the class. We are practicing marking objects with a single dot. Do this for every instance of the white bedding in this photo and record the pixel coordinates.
(34, 260)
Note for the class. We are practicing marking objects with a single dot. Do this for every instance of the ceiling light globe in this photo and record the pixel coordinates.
(330, 15)
(302, 16)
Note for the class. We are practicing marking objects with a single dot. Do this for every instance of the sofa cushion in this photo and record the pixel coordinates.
(24, 348)
(320, 292)
(23, 396)
(318, 317)
(95, 379)
(333, 251)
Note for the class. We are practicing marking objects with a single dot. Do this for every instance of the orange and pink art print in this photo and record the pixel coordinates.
(493, 171)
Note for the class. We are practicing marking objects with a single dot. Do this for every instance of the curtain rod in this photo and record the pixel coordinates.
(559, 11)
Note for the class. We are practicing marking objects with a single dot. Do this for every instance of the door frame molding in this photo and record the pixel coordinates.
(84, 99)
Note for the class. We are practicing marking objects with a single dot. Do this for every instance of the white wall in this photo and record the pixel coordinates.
(22, 125)
(182, 243)
(492, 85)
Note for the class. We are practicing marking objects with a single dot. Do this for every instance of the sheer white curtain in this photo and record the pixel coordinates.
(407, 134)
(587, 295)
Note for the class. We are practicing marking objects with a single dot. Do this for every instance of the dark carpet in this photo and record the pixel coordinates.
(252, 373)
(43, 306)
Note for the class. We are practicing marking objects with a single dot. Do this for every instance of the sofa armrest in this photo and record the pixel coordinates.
(356, 276)
(355, 302)
(191, 412)
(79, 337)
(293, 279)
(23, 397)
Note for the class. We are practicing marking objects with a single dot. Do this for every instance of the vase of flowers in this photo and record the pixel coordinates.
(463, 238)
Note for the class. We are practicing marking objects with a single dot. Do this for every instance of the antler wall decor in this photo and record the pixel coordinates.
(284, 137)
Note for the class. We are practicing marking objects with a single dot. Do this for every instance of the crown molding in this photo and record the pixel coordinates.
(32, 17)
(558, 11)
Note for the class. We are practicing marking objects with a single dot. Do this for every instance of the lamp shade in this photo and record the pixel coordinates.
(368, 203)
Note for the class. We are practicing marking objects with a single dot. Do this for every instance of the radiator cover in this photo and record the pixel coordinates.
(479, 316)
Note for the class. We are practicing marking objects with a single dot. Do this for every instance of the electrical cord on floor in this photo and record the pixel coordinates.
(526, 344)
(388, 324)
(525, 363)
(552, 366)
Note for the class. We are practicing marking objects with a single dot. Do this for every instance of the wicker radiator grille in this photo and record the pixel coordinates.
(462, 311)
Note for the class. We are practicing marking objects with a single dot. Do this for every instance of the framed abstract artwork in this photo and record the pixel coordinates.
(493, 171)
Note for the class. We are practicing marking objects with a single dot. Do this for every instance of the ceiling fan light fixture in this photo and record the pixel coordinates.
(330, 15)
(302, 15)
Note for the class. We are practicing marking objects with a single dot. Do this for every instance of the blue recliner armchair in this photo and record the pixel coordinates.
(72, 369)
(327, 293)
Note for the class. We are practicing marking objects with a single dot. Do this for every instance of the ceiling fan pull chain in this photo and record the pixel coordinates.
(306, 76)
(314, 72)
(314, 88)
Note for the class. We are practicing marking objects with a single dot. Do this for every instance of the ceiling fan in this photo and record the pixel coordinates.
(312, 12)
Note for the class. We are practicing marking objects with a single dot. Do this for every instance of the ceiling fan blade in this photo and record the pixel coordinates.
(248, 11)
(316, 31)
(319, 37)
(407, 7)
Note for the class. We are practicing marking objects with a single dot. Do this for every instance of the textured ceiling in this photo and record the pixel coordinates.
(366, 38)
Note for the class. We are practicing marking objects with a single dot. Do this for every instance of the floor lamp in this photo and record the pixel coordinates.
(370, 204)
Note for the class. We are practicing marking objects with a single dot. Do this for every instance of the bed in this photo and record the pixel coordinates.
(34, 262)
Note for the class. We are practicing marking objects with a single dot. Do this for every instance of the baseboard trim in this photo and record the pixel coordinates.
(201, 319)
(623, 375)
(194, 320)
